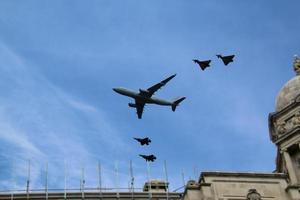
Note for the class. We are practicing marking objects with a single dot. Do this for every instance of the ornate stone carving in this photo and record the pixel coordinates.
(297, 98)
(281, 129)
(253, 195)
(296, 119)
(296, 65)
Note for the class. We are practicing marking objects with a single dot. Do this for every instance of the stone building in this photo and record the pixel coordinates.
(284, 182)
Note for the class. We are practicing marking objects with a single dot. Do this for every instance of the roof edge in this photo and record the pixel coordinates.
(243, 174)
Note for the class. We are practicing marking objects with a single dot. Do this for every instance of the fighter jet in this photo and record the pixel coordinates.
(148, 158)
(202, 64)
(226, 59)
(143, 141)
(145, 96)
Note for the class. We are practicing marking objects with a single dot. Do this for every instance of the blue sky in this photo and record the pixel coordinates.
(59, 61)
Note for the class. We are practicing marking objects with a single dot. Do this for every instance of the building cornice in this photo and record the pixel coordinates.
(242, 174)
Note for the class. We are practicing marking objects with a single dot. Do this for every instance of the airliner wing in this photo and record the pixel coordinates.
(157, 86)
(139, 108)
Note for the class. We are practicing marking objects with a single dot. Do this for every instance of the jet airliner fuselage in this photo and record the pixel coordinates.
(135, 95)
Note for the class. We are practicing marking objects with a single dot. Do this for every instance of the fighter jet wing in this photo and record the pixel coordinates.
(144, 156)
(157, 86)
(139, 108)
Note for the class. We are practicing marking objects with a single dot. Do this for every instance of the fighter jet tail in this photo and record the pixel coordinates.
(176, 103)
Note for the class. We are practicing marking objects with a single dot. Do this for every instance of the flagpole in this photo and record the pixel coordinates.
(182, 175)
(28, 180)
(195, 172)
(132, 180)
(167, 180)
(100, 180)
(82, 182)
(117, 179)
(149, 182)
(46, 181)
(12, 179)
(65, 180)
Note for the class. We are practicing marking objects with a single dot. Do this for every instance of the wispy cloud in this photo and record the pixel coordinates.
(40, 122)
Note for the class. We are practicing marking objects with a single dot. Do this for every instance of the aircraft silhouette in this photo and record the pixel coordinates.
(143, 141)
(202, 64)
(226, 59)
(148, 158)
(145, 96)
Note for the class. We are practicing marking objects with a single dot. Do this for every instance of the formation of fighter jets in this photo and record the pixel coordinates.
(146, 141)
(206, 63)
(145, 96)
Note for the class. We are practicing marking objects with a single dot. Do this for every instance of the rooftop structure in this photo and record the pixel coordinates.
(156, 186)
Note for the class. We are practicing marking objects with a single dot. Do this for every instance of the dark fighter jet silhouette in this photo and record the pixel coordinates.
(226, 59)
(203, 64)
(143, 141)
(148, 158)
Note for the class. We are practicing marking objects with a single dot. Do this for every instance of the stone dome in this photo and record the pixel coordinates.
(288, 93)
(291, 90)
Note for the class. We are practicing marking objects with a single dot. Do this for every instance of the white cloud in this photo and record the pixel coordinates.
(40, 122)
(81, 106)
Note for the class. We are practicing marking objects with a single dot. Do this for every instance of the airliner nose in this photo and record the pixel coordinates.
(117, 90)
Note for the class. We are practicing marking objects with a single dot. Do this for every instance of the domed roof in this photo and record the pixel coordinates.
(291, 90)
(288, 93)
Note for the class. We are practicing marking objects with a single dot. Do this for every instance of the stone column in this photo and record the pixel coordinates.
(289, 166)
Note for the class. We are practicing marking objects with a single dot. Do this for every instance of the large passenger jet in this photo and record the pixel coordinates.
(146, 96)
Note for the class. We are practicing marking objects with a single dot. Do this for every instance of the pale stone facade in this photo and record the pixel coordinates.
(238, 186)
(284, 182)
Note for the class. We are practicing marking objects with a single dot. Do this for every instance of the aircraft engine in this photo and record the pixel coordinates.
(132, 105)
